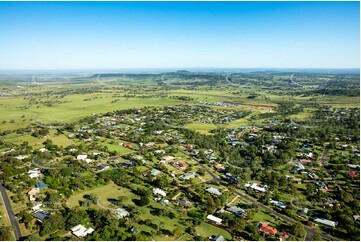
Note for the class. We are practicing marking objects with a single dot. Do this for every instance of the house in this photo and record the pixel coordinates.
(166, 159)
(159, 191)
(353, 174)
(184, 202)
(216, 238)
(283, 236)
(33, 193)
(278, 204)
(40, 215)
(325, 222)
(81, 157)
(34, 173)
(121, 213)
(127, 145)
(182, 165)
(305, 160)
(36, 207)
(155, 172)
(188, 176)
(81, 231)
(219, 167)
(42, 150)
(214, 219)
(40, 185)
(101, 167)
(213, 191)
(236, 210)
(254, 186)
(265, 228)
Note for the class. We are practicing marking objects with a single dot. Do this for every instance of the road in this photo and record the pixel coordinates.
(310, 231)
(10, 212)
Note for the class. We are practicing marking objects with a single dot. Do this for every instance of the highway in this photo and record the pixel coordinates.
(10, 212)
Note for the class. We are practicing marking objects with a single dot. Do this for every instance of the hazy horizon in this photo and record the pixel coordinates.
(178, 35)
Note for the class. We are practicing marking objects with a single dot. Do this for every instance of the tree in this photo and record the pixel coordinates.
(143, 201)
(299, 231)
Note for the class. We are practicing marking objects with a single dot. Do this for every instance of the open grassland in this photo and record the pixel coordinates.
(110, 190)
(60, 140)
(202, 128)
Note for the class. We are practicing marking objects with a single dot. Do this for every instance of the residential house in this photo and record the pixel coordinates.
(155, 172)
(40, 215)
(185, 202)
(214, 219)
(33, 193)
(213, 191)
(36, 207)
(121, 213)
(34, 173)
(236, 210)
(278, 204)
(353, 174)
(265, 228)
(254, 186)
(159, 191)
(81, 231)
(101, 167)
(40, 185)
(216, 238)
(325, 222)
(188, 176)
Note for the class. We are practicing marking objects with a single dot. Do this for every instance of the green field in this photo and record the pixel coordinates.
(202, 128)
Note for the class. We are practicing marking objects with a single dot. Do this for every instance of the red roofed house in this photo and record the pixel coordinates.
(127, 145)
(353, 174)
(219, 167)
(283, 236)
(263, 227)
(305, 161)
(181, 164)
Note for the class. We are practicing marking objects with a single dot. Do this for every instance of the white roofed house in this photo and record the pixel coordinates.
(213, 191)
(121, 213)
(326, 222)
(34, 173)
(81, 231)
(214, 219)
(159, 191)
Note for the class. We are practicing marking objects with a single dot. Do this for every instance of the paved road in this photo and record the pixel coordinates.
(10, 212)
(310, 231)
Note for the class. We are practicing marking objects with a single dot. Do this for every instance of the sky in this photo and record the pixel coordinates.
(95, 35)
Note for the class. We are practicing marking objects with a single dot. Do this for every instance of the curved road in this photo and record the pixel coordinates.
(10, 212)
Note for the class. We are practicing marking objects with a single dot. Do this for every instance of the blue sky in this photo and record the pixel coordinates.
(85, 35)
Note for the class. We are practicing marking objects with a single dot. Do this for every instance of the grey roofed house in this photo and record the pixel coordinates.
(101, 167)
(236, 210)
(218, 238)
(213, 190)
(188, 176)
(41, 215)
(121, 213)
(154, 172)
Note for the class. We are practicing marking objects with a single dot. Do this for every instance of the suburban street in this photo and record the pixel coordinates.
(10, 212)
(310, 231)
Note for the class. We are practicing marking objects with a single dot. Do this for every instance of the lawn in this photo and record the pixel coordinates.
(207, 230)
(60, 140)
(262, 217)
(110, 190)
(202, 128)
